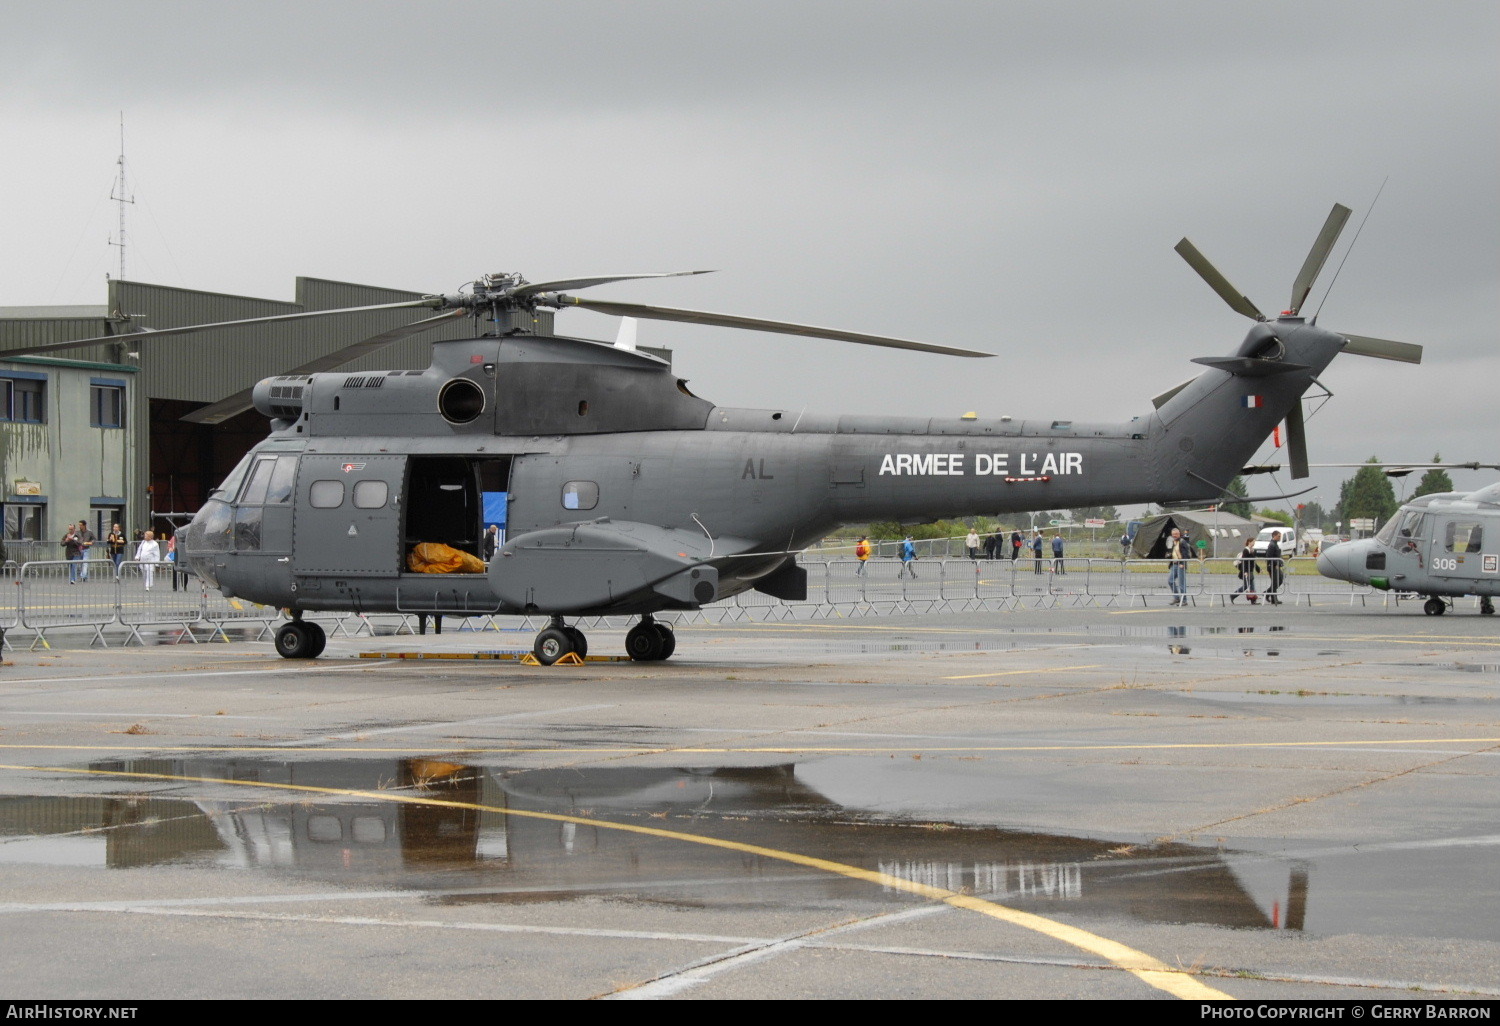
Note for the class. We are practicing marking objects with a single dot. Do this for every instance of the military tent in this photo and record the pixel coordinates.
(1224, 533)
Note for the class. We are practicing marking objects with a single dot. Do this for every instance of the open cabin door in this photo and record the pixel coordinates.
(348, 515)
(453, 500)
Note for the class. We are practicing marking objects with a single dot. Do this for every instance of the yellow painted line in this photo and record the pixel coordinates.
(508, 656)
(1012, 673)
(761, 750)
(1150, 970)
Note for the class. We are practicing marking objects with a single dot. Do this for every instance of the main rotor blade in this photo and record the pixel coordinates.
(431, 302)
(665, 313)
(1318, 255)
(239, 402)
(531, 289)
(1237, 300)
(1296, 440)
(1382, 349)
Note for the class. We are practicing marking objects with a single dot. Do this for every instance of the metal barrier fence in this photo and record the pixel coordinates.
(157, 595)
(68, 593)
(54, 595)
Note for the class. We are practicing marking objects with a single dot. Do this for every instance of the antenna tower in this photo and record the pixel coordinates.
(120, 194)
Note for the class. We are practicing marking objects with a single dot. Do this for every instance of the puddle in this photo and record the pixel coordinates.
(498, 854)
(1305, 697)
(1477, 667)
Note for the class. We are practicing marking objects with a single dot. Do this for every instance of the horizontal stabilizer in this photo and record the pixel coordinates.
(1248, 367)
(1161, 400)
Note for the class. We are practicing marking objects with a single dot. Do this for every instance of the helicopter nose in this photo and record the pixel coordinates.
(1338, 561)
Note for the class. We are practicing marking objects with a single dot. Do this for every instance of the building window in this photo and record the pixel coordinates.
(24, 400)
(25, 521)
(107, 406)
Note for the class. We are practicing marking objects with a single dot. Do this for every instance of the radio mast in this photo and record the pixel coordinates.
(120, 194)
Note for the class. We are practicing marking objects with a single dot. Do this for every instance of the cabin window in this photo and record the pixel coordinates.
(368, 830)
(326, 494)
(580, 495)
(324, 829)
(1463, 536)
(370, 494)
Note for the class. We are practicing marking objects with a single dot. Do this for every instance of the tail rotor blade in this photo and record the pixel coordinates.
(1296, 441)
(1382, 349)
(1237, 300)
(1318, 255)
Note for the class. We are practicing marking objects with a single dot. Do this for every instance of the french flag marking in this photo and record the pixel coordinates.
(1251, 402)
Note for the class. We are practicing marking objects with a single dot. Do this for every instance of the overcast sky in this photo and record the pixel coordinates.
(1002, 176)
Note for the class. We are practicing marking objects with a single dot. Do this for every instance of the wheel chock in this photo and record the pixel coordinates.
(568, 659)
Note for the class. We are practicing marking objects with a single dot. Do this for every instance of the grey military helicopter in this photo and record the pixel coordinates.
(1433, 546)
(629, 495)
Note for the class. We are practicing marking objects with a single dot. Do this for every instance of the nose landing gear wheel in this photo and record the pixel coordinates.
(1434, 607)
(300, 639)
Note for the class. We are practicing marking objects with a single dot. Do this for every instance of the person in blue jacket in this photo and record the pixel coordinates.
(908, 557)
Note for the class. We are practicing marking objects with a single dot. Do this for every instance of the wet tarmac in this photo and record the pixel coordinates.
(1038, 804)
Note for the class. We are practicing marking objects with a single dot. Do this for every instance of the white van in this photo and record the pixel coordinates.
(1288, 541)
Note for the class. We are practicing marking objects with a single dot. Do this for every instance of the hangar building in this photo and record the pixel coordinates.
(98, 434)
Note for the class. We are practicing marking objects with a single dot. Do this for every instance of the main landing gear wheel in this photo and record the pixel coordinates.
(1434, 607)
(300, 639)
(668, 639)
(650, 642)
(1486, 607)
(557, 641)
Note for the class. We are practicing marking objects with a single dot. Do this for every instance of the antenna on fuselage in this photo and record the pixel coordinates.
(625, 339)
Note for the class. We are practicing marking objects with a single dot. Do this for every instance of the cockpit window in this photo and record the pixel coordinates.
(231, 484)
(260, 480)
(281, 480)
